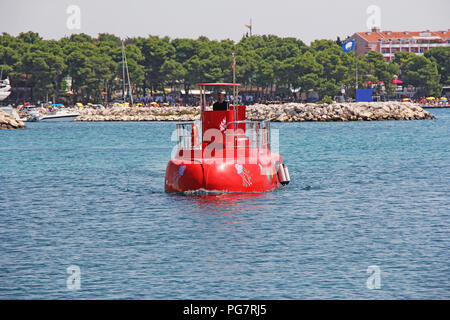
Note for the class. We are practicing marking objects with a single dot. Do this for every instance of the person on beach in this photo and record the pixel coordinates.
(220, 104)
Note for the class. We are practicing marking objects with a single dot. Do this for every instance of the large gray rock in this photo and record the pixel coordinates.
(10, 122)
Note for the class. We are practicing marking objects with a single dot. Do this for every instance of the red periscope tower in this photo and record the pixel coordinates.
(224, 152)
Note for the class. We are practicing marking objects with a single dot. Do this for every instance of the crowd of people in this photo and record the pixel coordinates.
(432, 101)
(194, 100)
(243, 99)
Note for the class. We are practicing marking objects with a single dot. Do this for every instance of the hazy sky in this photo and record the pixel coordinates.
(306, 20)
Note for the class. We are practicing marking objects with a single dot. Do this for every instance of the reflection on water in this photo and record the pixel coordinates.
(230, 209)
(224, 203)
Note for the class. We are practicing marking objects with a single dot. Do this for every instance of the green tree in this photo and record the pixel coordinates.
(422, 73)
(155, 51)
(45, 70)
(266, 61)
(441, 56)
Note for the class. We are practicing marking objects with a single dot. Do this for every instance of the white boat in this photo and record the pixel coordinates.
(60, 115)
(28, 113)
(4, 95)
(5, 88)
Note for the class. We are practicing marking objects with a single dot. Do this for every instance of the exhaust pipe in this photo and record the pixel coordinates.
(283, 174)
(286, 173)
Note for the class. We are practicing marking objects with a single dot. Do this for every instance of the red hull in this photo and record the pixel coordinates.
(223, 176)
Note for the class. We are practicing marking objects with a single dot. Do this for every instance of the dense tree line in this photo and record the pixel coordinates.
(155, 63)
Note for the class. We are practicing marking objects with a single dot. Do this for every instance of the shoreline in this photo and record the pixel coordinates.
(288, 112)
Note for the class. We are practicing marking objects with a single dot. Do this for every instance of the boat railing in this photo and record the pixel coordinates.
(257, 133)
(189, 135)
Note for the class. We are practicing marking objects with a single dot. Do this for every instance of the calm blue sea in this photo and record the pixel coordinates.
(91, 195)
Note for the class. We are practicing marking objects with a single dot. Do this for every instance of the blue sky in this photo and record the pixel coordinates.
(306, 20)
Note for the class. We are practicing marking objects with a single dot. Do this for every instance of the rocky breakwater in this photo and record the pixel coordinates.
(140, 114)
(288, 112)
(373, 111)
(10, 122)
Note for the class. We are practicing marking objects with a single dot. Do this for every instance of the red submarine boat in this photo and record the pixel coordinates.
(224, 152)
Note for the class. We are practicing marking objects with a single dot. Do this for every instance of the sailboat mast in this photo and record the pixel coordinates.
(129, 83)
(123, 72)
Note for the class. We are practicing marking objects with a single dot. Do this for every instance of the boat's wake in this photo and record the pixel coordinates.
(205, 192)
(201, 192)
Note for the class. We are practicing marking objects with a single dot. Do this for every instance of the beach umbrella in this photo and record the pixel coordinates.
(397, 81)
(444, 99)
(406, 99)
(430, 98)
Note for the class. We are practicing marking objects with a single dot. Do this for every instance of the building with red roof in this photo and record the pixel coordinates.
(388, 42)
